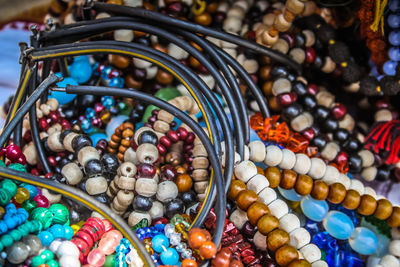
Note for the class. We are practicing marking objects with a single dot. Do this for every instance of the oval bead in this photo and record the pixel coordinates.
(338, 225)
(290, 194)
(364, 241)
(315, 210)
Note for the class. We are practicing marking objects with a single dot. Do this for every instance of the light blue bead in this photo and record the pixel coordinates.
(69, 232)
(86, 126)
(390, 67)
(81, 71)
(394, 5)
(315, 210)
(338, 225)
(290, 194)
(394, 20)
(169, 257)
(62, 97)
(46, 238)
(394, 38)
(97, 137)
(32, 190)
(107, 101)
(90, 113)
(363, 241)
(114, 123)
(57, 230)
(117, 82)
(160, 242)
(394, 53)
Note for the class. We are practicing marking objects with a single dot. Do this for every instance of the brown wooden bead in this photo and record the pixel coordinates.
(367, 205)
(256, 211)
(236, 187)
(148, 6)
(125, 142)
(384, 209)
(304, 185)
(352, 200)
(264, 72)
(128, 125)
(132, 83)
(274, 176)
(285, 255)
(203, 19)
(273, 103)
(112, 144)
(194, 62)
(337, 193)
(267, 223)
(160, 48)
(164, 77)
(288, 180)
(184, 182)
(299, 263)
(246, 198)
(115, 138)
(320, 190)
(212, 7)
(127, 133)
(120, 156)
(120, 62)
(394, 219)
(260, 170)
(277, 238)
(267, 88)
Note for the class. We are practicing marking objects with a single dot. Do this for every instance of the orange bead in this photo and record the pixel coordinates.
(236, 187)
(196, 239)
(188, 263)
(208, 250)
(394, 219)
(184, 182)
(256, 211)
(246, 198)
(274, 176)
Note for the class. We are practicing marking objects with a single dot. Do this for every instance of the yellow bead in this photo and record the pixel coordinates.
(75, 228)
(22, 195)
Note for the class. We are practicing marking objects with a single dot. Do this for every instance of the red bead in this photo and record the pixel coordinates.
(161, 220)
(98, 107)
(134, 146)
(48, 175)
(85, 237)
(43, 125)
(165, 142)
(254, 78)
(81, 245)
(146, 170)
(54, 116)
(381, 104)
(13, 152)
(309, 134)
(182, 133)
(22, 159)
(27, 136)
(169, 173)
(310, 55)
(52, 161)
(161, 149)
(35, 172)
(338, 111)
(173, 136)
(341, 157)
(107, 225)
(190, 138)
(287, 99)
(312, 89)
(41, 201)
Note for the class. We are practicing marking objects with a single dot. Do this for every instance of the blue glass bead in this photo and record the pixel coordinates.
(169, 257)
(394, 5)
(46, 238)
(315, 210)
(81, 70)
(69, 233)
(351, 213)
(117, 82)
(394, 21)
(338, 225)
(125, 242)
(107, 101)
(3, 227)
(62, 97)
(390, 67)
(57, 230)
(364, 241)
(394, 53)
(160, 242)
(32, 190)
(159, 227)
(290, 194)
(350, 258)
(114, 123)
(86, 126)
(90, 113)
(312, 227)
(96, 137)
(394, 38)
(10, 222)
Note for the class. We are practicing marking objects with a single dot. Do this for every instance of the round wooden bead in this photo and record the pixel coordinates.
(277, 238)
(257, 183)
(384, 209)
(337, 193)
(304, 185)
(267, 195)
(299, 263)
(200, 187)
(274, 176)
(288, 159)
(299, 237)
(125, 183)
(273, 156)
(289, 222)
(127, 169)
(239, 218)
(135, 217)
(54, 142)
(166, 191)
(184, 182)
(236, 187)
(200, 163)
(245, 170)
(147, 153)
(146, 187)
(318, 168)
(278, 208)
(311, 252)
(257, 151)
(87, 153)
(246, 198)
(352, 200)
(320, 190)
(260, 241)
(96, 185)
(267, 223)
(331, 175)
(367, 205)
(67, 142)
(30, 153)
(389, 261)
(256, 211)
(72, 173)
(157, 210)
(125, 197)
(303, 163)
(288, 180)
(285, 255)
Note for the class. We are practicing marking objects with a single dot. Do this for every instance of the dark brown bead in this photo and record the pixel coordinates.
(264, 72)
(246, 198)
(352, 200)
(267, 223)
(236, 187)
(394, 219)
(256, 211)
(299, 263)
(132, 83)
(277, 238)
(288, 180)
(384, 209)
(367, 205)
(164, 77)
(267, 88)
(274, 176)
(320, 190)
(304, 185)
(337, 193)
(285, 255)
(120, 62)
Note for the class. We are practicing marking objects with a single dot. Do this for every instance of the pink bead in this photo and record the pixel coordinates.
(113, 234)
(309, 134)
(96, 257)
(338, 111)
(13, 152)
(107, 245)
(107, 225)
(22, 159)
(98, 107)
(42, 201)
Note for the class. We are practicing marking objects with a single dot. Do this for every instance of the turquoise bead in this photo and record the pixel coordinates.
(57, 230)
(62, 97)
(169, 256)
(81, 70)
(159, 243)
(60, 213)
(290, 194)
(338, 225)
(69, 232)
(363, 241)
(97, 137)
(46, 238)
(315, 210)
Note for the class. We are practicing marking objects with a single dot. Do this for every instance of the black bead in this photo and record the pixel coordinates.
(341, 135)
(84, 101)
(70, 112)
(93, 167)
(383, 174)
(173, 207)
(291, 77)
(80, 141)
(316, 128)
(102, 198)
(46, 145)
(74, 216)
(82, 186)
(63, 162)
(352, 145)
(148, 137)
(321, 113)
(230, 206)
(188, 198)
(300, 40)
(139, 74)
(292, 111)
(309, 101)
(70, 157)
(319, 141)
(142, 203)
(318, 62)
(279, 72)
(355, 163)
(57, 177)
(330, 125)
(63, 135)
(110, 164)
(299, 88)
(144, 40)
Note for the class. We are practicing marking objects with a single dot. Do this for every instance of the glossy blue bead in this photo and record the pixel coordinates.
(81, 70)
(364, 241)
(394, 5)
(394, 20)
(312, 227)
(160, 242)
(169, 257)
(86, 126)
(338, 225)
(107, 101)
(390, 67)
(315, 210)
(394, 53)
(90, 113)
(32, 190)
(62, 97)
(290, 194)
(57, 230)
(46, 238)
(69, 232)
(96, 137)
(394, 38)
(117, 82)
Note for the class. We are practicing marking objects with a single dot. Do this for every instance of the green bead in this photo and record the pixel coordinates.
(7, 240)
(37, 227)
(43, 215)
(54, 263)
(17, 167)
(15, 234)
(29, 205)
(110, 261)
(10, 186)
(5, 197)
(36, 261)
(323, 255)
(60, 213)
(47, 254)
(1, 246)
(163, 94)
(24, 229)
(2, 164)
(143, 223)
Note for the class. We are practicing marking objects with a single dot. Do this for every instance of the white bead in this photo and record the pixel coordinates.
(303, 163)
(373, 261)
(232, 25)
(246, 153)
(151, 72)
(369, 173)
(302, 122)
(289, 222)
(281, 86)
(273, 156)
(209, 80)
(288, 159)
(257, 151)
(369, 191)
(239, 218)
(257, 183)
(130, 156)
(177, 52)
(330, 151)
(389, 261)
(394, 248)
(236, 11)
(123, 35)
(166, 191)
(141, 64)
(278, 208)
(319, 263)
(318, 168)
(260, 241)
(135, 217)
(87, 153)
(72, 173)
(157, 210)
(367, 158)
(383, 115)
(133, 3)
(245, 170)
(311, 252)
(299, 237)
(147, 153)
(67, 248)
(146, 187)
(54, 142)
(357, 185)
(69, 261)
(96, 185)
(331, 175)
(344, 180)
(67, 141)
(267, 195)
